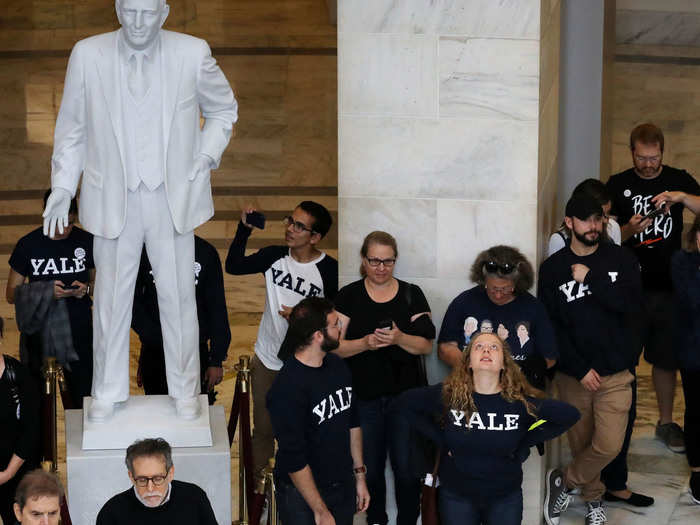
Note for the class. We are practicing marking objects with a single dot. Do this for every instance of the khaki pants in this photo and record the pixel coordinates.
(597, 437)
(261, 379)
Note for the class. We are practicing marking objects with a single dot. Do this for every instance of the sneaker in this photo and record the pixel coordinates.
(672, 436)
(596, 513)
(694, 487)
(557, 498)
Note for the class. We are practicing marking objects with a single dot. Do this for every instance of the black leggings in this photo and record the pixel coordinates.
(691, 425)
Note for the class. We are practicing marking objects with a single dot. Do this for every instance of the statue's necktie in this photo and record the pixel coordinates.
(138, 85)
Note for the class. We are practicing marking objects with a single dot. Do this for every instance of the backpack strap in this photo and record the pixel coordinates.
(10, 377)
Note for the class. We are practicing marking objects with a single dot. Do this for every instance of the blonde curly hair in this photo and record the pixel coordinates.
(458, 387)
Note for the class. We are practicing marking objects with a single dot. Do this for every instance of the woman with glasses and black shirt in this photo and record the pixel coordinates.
(387, 328)
(503, 276)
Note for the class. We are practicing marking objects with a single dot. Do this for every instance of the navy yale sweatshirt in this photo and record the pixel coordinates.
(482, 455)
(312, 411)
(593, 320)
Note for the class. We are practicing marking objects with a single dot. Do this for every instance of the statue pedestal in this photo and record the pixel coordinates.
(146, 416)
(94, 476)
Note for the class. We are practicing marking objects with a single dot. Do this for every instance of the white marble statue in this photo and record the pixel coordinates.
(130, 124)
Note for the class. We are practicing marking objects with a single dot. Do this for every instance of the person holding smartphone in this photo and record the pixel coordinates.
(386, 330)
(293, 270)
(636, 194)
(65, 264)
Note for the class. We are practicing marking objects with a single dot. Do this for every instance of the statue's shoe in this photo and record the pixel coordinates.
(100, 410)
(187, 408)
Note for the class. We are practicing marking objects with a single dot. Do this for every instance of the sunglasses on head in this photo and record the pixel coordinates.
(503, 269)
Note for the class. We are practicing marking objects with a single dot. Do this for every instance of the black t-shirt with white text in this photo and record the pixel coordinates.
(654, 246)
(312, 410)
(212, 315)
(39, 258)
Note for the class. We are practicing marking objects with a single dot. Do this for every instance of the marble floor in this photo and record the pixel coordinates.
(654, 470)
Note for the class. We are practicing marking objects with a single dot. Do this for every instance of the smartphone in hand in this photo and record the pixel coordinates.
(655, 213)
(256, 219)
(386, 324)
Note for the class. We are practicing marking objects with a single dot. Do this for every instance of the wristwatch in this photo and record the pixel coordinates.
(360, 470)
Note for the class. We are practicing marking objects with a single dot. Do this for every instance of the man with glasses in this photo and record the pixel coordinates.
(654, 240)
(292, 271)
(592, 291)
(61, 265)
(319, 469)
(156, 498)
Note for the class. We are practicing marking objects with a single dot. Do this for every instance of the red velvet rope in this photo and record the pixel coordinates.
(48, 427)
(247, 448)
(67, 400)
(235, 411)
(240, 410)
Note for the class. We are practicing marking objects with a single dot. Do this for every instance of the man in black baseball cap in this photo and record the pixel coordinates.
(584, 217)
(590, 290)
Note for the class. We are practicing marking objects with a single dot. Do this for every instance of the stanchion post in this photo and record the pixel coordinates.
(272, 517)
(49, 372)
(242, 388)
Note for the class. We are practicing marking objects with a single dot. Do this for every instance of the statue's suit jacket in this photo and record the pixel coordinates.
(89, 137)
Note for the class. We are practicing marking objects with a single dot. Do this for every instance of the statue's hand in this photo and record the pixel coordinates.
(202, 166)
(56, 211)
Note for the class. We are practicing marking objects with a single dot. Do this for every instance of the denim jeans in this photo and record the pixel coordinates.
(457, 510)
(382, 432)
(340, 498)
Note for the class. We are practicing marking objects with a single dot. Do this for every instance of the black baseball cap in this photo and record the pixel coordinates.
(581, 205)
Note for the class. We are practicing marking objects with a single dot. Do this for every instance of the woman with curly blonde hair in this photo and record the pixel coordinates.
(484, 417)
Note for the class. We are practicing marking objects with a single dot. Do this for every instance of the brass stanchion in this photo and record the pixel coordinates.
(53, 375)
(272, 517)
(240, 410)
(50, 438)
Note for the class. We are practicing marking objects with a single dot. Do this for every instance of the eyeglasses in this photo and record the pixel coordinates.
(503, 290)
(374, 262)
(503, 269)
(142, 481)
(653, 160)
(297, 226)
(484, 346)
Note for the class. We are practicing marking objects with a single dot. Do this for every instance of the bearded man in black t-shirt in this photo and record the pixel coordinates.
(637, 192)
(66, 260)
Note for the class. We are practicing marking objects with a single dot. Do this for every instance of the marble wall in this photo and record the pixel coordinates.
(664, 22)
(447, 114)
(447, 137)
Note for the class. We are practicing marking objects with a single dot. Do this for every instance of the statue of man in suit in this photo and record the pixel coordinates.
(129, 122)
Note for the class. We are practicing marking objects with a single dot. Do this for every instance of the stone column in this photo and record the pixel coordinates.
(447, 139)
(587, 50)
